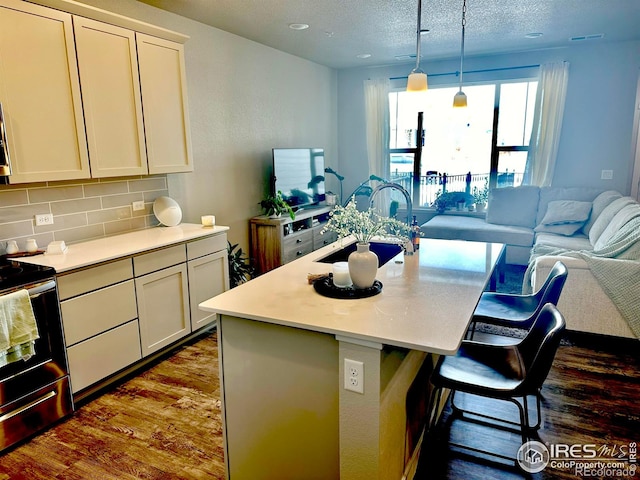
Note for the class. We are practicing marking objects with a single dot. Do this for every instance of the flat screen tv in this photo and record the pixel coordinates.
(299, 174)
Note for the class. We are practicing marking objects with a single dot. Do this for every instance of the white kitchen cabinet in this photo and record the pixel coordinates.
(163, 300)
(108, 66)
(208, 276)
(40, 94)
(99, 315)
(164, 102)
(163, 308)
(126, 311)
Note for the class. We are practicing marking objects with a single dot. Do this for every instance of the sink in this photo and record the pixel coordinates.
(384, 251)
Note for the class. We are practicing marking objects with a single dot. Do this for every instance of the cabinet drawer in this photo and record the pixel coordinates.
(205, 246)
(151, 262)
(95, 312)
(320, 241)
(297, 245)
(94, 278)
(94, 359)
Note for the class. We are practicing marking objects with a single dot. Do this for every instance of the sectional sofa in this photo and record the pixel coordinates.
(595, 233)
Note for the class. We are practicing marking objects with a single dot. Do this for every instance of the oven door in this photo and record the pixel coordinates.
(49, 363)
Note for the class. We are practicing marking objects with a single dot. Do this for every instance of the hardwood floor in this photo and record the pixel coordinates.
(162, 424)
(591, 396)
(165, 422)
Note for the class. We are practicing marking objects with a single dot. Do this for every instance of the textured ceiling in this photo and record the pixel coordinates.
(339, 30)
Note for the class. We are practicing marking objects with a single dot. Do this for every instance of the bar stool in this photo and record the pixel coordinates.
(511, 310)
(504, 372)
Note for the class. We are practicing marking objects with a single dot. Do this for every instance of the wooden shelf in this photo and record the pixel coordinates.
(276, 241)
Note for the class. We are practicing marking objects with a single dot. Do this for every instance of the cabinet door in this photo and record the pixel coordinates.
(164, 101)
(40, 94)
(163, 307)
(111, 98)
(208, 277)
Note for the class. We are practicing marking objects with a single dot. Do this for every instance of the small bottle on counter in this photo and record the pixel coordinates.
(415, 234)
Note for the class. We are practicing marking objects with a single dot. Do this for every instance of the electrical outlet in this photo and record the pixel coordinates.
(606, 175)
(354, 375)
(44, 219)
(138, 206)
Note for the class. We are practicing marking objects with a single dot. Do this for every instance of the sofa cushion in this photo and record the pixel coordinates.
(514, 206)
(601, 202)
(550, 194)
(604, 219)
(617, 222)
(566, 211)
(575, 242)
(457, 227)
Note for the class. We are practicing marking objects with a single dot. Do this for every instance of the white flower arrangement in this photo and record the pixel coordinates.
(364, 225)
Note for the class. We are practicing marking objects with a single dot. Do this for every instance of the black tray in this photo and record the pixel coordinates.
(324, 286)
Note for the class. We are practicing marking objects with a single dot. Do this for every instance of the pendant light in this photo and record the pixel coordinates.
(417, 81)
(460, 99)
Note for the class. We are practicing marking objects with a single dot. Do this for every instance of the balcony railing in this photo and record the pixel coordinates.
(434, 182)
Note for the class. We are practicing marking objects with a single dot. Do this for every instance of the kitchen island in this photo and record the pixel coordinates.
(282, 351)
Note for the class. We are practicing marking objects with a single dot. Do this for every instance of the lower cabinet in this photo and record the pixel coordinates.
(163, 307)
(116, 314)
(99, 314)
(208, 276)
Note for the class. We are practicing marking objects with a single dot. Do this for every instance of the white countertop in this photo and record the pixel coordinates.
(426, 302)
(109, 248)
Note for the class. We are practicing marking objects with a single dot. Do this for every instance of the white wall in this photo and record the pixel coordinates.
(598, 122)
(244, 99)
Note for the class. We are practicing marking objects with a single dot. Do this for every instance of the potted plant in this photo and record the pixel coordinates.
(364, 226)
(480, 197)
(440, 202)
(239, 269)
(275, 206)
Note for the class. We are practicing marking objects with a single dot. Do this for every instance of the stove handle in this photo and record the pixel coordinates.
(5, 158)
(39, 288)
(28, 406)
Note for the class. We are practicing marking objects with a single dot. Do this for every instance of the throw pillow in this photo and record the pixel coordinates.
(552, 194)
(566, 211)
(515, 206)
(606, 216)
(601, 202)
(567, 229)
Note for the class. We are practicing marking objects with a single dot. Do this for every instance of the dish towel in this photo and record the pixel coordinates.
(18, 328)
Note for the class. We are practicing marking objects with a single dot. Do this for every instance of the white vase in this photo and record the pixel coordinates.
(363, 266)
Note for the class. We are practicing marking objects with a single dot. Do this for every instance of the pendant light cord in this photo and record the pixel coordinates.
(418, 31)
(464, 23)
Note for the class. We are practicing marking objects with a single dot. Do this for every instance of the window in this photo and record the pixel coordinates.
(456, 148)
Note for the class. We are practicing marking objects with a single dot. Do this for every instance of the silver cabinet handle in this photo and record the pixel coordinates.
(5, 159)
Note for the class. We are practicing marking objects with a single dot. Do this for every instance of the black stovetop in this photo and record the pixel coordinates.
(15, 274)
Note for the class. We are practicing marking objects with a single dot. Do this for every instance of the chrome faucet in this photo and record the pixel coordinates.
(402, 190)
(408, 247)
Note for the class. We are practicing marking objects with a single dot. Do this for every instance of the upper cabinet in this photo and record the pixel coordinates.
(40, 94)
(164, 100)
(124, 88)
(115, 131)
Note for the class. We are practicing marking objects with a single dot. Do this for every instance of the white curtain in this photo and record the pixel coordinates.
(376, 103)
(547, 123)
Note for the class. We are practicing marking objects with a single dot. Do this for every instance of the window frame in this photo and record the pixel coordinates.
(495, 148)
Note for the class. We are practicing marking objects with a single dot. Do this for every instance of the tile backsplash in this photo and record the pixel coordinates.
(82, 210)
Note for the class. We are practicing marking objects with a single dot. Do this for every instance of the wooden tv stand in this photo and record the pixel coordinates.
(276, 241)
